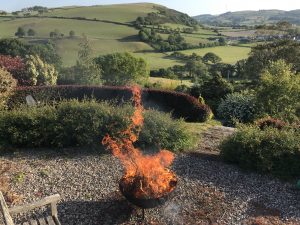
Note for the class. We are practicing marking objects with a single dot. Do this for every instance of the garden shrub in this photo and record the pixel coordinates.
(181, 105)
(212, 90)
(162, 130)
(15, 66)
(73, 123)
(270, 122)
(271, 150)
(7, 85)
(237, 107)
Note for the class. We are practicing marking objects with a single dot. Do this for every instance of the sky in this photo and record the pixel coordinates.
(191, 7)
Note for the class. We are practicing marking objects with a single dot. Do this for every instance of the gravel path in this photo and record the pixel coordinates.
(208, 192)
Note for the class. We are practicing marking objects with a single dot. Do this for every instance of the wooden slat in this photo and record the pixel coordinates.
(42, 221)
(53, 209)
(50, 220)
(5, 211)
(56, 221)
(31, 206)
(33, 222)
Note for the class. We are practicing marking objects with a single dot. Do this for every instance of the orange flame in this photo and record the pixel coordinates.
(148, 173)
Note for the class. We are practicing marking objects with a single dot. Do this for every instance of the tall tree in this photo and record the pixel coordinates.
(86, 70)
(20, 32)
(278, 93)
(123, 69)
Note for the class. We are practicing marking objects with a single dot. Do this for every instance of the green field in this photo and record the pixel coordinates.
(229, 54)
(169, 83)
(107, 36)
(124, 13)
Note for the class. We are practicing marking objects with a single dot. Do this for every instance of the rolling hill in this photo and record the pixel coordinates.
(251, 17)
(110, 28)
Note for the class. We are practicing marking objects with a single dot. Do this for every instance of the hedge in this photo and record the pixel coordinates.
(179, 104)
(74, 123)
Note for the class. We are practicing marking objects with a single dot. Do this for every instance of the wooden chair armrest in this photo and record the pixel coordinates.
(50, 200)
(5, 211)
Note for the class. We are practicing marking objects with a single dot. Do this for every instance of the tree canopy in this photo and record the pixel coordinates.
(122, 69)
(278, 93)
(262, 55)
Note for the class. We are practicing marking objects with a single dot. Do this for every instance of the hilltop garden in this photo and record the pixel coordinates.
(59, 112)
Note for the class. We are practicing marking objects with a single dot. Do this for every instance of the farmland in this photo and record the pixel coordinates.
(109, 32)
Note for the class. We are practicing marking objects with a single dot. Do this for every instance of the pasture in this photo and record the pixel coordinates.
(229, 54)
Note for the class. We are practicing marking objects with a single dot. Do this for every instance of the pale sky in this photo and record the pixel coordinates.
(191, 7)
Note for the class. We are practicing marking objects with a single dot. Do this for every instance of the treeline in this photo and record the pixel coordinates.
(165, 15)
(174, 42)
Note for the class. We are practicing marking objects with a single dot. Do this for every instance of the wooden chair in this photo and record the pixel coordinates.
(50, 220)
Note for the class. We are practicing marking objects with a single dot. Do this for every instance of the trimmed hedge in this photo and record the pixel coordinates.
(180, 104)
(73, 123)
(270, 150)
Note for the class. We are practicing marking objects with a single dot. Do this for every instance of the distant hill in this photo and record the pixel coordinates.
(110, 28)
(251, 17)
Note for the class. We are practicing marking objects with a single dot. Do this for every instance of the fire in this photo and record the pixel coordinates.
(145, 176)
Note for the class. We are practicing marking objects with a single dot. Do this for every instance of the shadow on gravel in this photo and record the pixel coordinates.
(95, 212)
(50, 153)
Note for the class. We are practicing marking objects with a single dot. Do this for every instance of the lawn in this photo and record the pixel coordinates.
(229, 54)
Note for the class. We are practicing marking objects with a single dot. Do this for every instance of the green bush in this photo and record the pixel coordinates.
(271, 150)
(237, 107)
(74, 123)
(7, 86)
(160, 129)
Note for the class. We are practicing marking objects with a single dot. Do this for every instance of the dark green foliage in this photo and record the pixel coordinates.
(122, 69)
(31, 32)
(181, 105)
(165, 15)
(45, 51)
(165, 73)
(211, 57)
(269, 150)
(237, 108)
(183, 88)
(13, 47)
(278, 92)
(262, 55)
(160, 129)
(20, 32)
(72, 34)
(174, 42)
(270, 122)
(74, 123)
(212, 90)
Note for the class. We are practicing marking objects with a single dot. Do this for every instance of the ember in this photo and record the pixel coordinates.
(145, 176)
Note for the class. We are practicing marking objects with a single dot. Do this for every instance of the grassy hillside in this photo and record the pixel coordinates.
(124, 13)
(109, 29)
(251, 17)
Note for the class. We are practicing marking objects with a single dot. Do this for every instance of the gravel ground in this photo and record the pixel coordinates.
(208, 191)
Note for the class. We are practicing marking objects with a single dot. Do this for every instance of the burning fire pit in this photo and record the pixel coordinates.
(147, 181)
(144, 202)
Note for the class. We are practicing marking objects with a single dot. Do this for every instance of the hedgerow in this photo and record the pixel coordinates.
(74, 123)
(180, 104)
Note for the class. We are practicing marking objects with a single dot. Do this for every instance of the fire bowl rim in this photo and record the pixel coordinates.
(146, 203)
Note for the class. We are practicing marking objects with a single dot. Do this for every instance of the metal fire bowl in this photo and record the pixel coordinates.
(144, 203)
